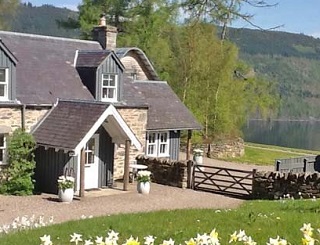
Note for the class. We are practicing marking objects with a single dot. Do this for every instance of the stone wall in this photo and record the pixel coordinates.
(226, 148)
(137, 121)
(273, 185)
(132, 66)
(165, 171)
(11, 117)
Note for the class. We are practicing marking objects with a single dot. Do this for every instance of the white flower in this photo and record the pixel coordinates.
(149, 240)
(242, 236)
(88, 242)
(76, 238)
(168, 242)
(306, 229)
(45, 240)
(99, 240)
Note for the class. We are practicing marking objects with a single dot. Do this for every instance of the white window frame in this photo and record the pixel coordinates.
(154, 148)
(106, 77)
(87, 151)
(5, 83)
(3, 148)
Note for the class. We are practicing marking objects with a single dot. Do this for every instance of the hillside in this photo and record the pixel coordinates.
(292, 60)
(42, 20)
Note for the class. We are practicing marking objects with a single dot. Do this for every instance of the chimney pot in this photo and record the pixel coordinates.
(106, 35)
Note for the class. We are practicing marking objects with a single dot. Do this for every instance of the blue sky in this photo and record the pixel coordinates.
(297, 16)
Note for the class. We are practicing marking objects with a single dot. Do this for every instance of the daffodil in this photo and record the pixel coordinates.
(242, 236)
(132, 241)
(214, 237)
(88, 242)
(99, 240)
(168, 242)
(76, 238)
(233, 237)
(274, 241)
(45, 240)
(250, 241)
(149, 240)
(307, 229)
(308, 240)
(190, 242)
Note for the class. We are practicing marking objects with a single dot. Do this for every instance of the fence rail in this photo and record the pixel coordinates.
(298, 164)
(226, 181)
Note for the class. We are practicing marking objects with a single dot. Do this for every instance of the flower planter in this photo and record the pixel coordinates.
(66, 195)
(143, 187)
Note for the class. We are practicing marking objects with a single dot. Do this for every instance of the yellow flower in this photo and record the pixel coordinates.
(307, 229)
(132, 241)
(190, 242)
(307, 240)
(233, 237)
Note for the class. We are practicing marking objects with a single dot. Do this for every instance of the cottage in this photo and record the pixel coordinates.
(91, 107)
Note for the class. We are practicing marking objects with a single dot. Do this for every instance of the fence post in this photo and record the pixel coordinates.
(278, 165)
(305, 165)
(253, 194)
(190, 174)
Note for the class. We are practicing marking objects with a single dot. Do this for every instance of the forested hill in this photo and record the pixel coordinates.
(275, 43)
(292, 60)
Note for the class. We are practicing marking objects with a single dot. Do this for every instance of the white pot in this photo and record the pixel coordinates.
(143, 187)
(198, 159)
(66, 195)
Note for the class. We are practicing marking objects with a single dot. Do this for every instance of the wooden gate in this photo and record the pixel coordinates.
(226, 181)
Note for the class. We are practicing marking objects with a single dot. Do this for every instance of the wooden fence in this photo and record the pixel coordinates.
(226, 181)
(298, 164)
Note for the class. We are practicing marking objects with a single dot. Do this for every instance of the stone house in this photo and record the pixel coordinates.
(91, 107)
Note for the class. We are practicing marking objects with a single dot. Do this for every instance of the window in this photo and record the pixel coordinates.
(3, 84)
(89, 152)
(109, 87)
(2, 149)
(158, 144)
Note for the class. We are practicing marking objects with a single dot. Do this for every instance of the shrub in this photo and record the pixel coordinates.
(21, 164)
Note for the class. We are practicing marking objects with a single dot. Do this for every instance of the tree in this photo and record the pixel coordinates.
(17, 177)
(220, 98)
(7, 11)
(223, 12)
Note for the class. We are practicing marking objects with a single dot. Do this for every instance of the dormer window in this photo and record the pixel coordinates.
(3, 84)
(109, 87)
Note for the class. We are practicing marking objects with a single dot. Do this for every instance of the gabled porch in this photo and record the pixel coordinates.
(77, 138)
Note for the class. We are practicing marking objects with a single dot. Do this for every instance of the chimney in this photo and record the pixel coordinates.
(106, 35)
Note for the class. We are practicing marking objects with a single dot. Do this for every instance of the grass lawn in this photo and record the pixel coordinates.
(266, 154)
(260, 219)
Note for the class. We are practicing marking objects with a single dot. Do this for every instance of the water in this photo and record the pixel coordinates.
(294, 134)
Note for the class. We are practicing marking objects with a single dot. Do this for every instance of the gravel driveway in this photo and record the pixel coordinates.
(114, 201)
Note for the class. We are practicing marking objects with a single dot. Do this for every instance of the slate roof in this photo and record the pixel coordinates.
(122, 52)
(67, 123)
(166, 111)
(45, 69)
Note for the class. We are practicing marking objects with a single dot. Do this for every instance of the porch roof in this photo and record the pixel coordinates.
(71, 123)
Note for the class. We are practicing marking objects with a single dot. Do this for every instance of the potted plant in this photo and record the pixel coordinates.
(65, 185)
(144, 179)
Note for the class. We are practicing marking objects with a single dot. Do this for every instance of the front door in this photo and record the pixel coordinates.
(91, 163)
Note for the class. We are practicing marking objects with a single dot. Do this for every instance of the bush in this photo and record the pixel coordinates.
(21, 164)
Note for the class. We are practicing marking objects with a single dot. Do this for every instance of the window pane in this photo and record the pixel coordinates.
(90, 157)
(105, 83)
(1, 141)
(91, 145)
(112, 80)
(2, 89)
(105, 93)
(111, 93)
(152, 138)
(162, 148)
(1, 155)
(2, 75)
(151, 149)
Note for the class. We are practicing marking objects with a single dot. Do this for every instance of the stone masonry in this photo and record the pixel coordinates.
(11, 117)
(137, 121)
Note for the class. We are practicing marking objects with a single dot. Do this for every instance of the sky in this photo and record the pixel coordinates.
(296, 16)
